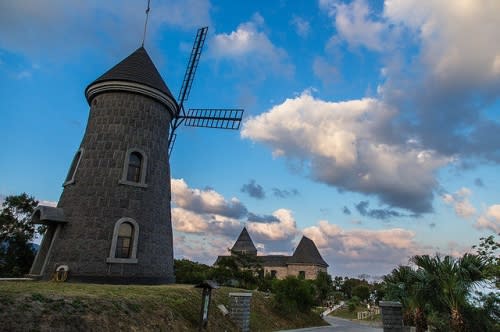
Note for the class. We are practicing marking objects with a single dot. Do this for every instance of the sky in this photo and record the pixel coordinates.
(370, 127)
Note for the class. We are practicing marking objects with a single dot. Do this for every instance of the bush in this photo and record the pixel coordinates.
(292, 295)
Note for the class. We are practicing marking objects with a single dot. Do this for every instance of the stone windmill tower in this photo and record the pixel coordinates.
(113, 221)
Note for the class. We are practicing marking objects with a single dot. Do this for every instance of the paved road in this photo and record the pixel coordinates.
(339, 324)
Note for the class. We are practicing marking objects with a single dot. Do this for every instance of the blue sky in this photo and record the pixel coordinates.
(370, 127)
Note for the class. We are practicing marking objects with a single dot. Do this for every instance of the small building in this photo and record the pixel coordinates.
(306, 261)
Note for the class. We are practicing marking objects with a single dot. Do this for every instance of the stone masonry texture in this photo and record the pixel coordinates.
(96, 200)
(239, 309)
(392, 316)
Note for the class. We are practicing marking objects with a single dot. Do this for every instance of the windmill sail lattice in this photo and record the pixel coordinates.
(200, 117)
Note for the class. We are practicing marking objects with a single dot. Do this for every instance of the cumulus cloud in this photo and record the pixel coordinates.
(343, 144)
(357, 251)
(460, 202)
(284, 229)
(197, 212)
(253, 189)
(354, 23)
(249, 46)
(453, 78)
(490, 219)
(205, 201)
(33, 27)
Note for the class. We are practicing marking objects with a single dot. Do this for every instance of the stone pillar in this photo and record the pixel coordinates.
(392, 316)
(239, 309)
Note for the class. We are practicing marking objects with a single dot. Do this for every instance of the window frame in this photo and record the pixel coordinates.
(143, 168)
(75, 162)
(135, 237)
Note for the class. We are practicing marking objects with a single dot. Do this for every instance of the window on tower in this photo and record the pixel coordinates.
(134, 168)
(70, 178)
(124, 242)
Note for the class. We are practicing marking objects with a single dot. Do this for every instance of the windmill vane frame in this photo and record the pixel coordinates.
(219, 118)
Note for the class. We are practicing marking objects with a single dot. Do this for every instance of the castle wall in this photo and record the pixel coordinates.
(281, 271)
(311, 271)
(96, 200)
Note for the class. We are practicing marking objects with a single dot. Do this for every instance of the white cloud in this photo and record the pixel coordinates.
(490, 219)
(460, 202)
(456, 39)
(354, 24)
(343, 144)
(358, 251)
(205, 201)
(249, 46)
(284, 229)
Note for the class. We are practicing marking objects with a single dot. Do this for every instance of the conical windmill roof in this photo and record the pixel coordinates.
(307, 253)
(136, 68)
(244, 243)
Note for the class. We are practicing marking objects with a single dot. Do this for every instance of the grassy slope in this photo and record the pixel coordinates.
(26, 306)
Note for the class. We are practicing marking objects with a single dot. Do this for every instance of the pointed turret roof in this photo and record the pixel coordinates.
(244, 243)
(136, 68)
(307, 253)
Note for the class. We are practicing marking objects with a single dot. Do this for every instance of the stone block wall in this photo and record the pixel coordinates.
(239, 309)
(118, 121)
(392, 316)
(311, 271)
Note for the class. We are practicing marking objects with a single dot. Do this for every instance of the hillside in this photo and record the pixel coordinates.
(44, 306)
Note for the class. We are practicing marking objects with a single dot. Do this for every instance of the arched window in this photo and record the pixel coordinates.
(70, 178)
(124, 242)
(134, 168)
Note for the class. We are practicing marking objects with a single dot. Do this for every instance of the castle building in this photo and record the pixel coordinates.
(112, 222)
(306, 261)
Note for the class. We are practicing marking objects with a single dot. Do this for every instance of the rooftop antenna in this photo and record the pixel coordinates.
(145, 24)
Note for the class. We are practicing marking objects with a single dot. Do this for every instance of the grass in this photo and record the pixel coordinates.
(45, 306)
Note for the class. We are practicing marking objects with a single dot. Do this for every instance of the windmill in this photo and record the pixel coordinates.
(220, 118)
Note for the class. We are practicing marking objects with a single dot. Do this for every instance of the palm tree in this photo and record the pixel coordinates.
(447, 282)
(404, 285)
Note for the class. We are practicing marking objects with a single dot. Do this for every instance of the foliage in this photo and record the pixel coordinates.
(16, 231)
(292, 294)
(362, 291)
(324, 287)
(439, 290)
(353, 303)
(187, 272)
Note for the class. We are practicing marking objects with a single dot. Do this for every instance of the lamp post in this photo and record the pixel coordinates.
(207, 286)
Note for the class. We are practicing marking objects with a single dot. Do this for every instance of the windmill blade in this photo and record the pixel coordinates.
(214, 118)
(191, 68)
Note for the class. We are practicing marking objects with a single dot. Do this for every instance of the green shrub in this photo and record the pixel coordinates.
(292, 294)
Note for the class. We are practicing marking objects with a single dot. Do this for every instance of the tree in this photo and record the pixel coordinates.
(292, 294)
(324, 286)
(187, 272)
(16, 232)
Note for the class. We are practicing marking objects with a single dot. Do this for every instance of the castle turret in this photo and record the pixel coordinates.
(113, 221)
